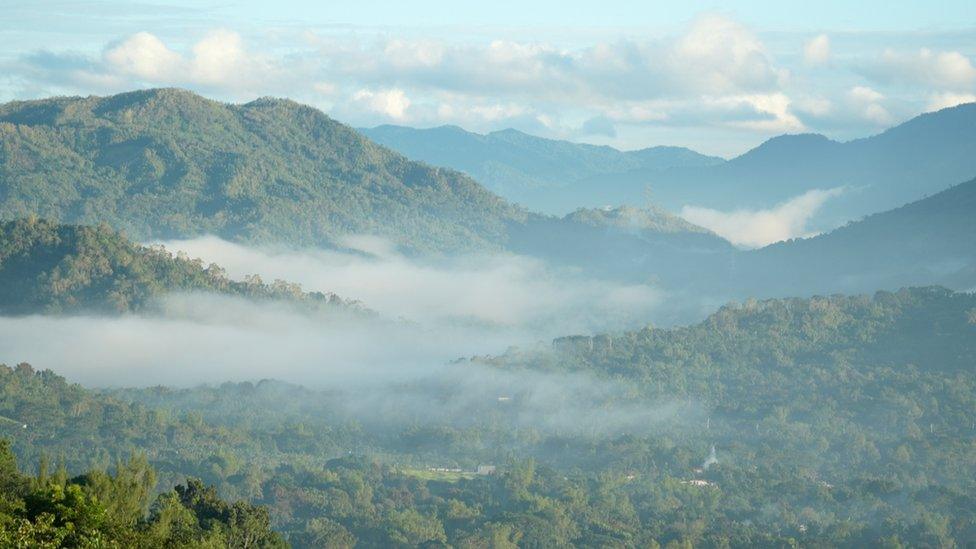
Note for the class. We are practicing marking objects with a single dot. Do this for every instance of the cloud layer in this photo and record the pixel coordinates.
(712, 75)
(399, 368)
(504, 291)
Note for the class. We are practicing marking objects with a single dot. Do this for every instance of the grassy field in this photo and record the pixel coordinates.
(441, 476)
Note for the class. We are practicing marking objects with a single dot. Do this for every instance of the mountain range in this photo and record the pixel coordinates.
(920, 157)
(170, 164)
(540, 174)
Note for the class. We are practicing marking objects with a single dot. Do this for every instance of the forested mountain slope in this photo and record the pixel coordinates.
(52, 268)
(644, 245)
(167, 163)
(929, 241)
(874, 392)
(533, 171)
(840, 421)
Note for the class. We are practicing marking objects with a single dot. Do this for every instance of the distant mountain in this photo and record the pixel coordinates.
(920, 157)
(931, 241)
(168, 163)
(50, 268)
(928, 242)
(636, 245)
(541, 174)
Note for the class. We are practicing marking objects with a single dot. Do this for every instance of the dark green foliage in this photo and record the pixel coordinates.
(46, 267)
(168, 163)
(837, 421)
(102, 510)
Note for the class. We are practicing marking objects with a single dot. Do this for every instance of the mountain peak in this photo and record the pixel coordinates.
(168, 162)
(651, 218)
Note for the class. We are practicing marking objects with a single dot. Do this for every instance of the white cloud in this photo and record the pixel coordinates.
(756, 228)
(817, 50)
(391, 102)
(865, 94)
(218, 61)
(776, 107)
(220, 58)
(715, 74)
(925, 68)
(720, 55)
(867, 103)
(506, 291)
(945, 100)
(144, 56)
(372, 371)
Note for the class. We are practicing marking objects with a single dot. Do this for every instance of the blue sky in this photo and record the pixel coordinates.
(719, 77)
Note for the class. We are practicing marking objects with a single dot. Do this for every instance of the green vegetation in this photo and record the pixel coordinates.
(121, 510)
(835, 421)
(168, 163)
(46, 267)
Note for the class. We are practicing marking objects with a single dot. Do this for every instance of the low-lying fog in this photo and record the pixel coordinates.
(429, 314)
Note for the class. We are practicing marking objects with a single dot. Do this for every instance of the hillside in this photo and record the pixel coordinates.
(852, 413)
(625, 243)
(167, 163)
(928, 241)
(51, 268)
(541, 174)
(785, 380)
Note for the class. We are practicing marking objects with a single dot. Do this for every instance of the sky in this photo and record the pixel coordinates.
(719, 77)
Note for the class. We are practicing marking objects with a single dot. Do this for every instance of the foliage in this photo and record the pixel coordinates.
(47, 267)
(836, 421)
(167, 163)
(102, 510)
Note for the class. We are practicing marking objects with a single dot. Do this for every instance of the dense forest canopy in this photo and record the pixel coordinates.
(168, 163)
(826, 421)
(838, 420)
(49, 267)
(98, 509)
(366, 276)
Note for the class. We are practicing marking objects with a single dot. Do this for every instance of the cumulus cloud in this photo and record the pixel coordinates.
(219, 61)
(425, 80)
(757, 228)
(867, 102)
(144, 56)
(925, 68)
(817, 50)
(392, 102)
(940, 101)
(714, 74)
